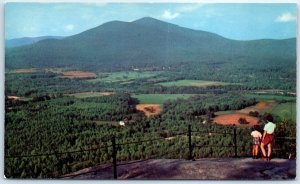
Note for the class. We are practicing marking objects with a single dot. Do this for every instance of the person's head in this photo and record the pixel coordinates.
(269, 118)
(255, 127)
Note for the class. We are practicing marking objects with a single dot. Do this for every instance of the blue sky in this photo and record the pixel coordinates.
(235, 21)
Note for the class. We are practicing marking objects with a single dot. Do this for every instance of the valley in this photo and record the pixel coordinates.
(65, 96)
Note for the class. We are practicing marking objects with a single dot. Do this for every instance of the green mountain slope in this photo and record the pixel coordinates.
(28, 40)
(147, 42)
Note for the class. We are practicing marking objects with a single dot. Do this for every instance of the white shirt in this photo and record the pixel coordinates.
(256, 133)
(270, 127)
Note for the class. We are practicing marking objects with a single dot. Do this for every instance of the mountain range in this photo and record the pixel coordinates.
(147, 42)
(28, 40)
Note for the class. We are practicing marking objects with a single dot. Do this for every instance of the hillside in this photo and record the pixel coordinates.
(205, 168)
(145, 42)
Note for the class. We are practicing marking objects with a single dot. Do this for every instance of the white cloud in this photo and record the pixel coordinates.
(69, 27)
(286, 17)
(169, 15)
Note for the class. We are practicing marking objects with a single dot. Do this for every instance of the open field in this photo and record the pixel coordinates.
(196, 83)
(78, 75)
(89, 94)
(261, 107)
(19, 98)
(123, 76)
(230, 119)
(159, 98)
(276, 92)
(285, 111)
(157, 79)
(149, 109)
(269, 97)
(25, 70)
(13, 97)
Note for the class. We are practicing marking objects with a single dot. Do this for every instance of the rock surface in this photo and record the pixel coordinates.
(205, 168)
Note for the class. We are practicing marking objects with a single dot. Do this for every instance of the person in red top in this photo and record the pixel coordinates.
(256, 138)
(267, 138)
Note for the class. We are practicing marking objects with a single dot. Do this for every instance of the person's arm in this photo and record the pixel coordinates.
(263, 137)
(260, 137)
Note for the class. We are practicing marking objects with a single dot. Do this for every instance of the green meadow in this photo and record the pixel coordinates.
(123, 76)
(286, 111)
(88, 94)
(269, 97)
(197, 83)
(159, 98)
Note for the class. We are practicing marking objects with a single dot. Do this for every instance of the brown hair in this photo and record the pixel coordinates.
(269, 118)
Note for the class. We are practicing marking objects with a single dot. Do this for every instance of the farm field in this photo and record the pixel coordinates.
(123, 76)
(89, 94)
(149, 109)
(285, 111)
(23, 71)
(19, 98)
(233, 118)
(269, 96)
(261, 107)
(159, 98)
(78, 75)
(196, 83)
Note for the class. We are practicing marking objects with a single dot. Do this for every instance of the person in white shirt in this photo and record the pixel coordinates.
(256, 138)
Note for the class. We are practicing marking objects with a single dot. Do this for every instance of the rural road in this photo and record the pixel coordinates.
(204, 168)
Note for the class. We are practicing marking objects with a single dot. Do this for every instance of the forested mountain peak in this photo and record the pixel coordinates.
(149, 21)
(117, 45)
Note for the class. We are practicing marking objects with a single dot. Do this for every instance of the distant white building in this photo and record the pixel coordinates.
(122, 123)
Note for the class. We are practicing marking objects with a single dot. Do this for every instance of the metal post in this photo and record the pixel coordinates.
(235, 142)
(190, 143)
(114, 155)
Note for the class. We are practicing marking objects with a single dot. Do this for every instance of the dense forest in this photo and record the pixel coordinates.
(49, 133)
(45, 127)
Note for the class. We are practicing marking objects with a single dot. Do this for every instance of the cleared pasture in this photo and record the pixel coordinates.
(159, 98)
(261, 107)
(285, 111)
(123, 76)
(149, 109)
(78, 75)
(24, 70)
(233, 118)
(269, 97)
(19, 98)
(195, 83)
(90, 94)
